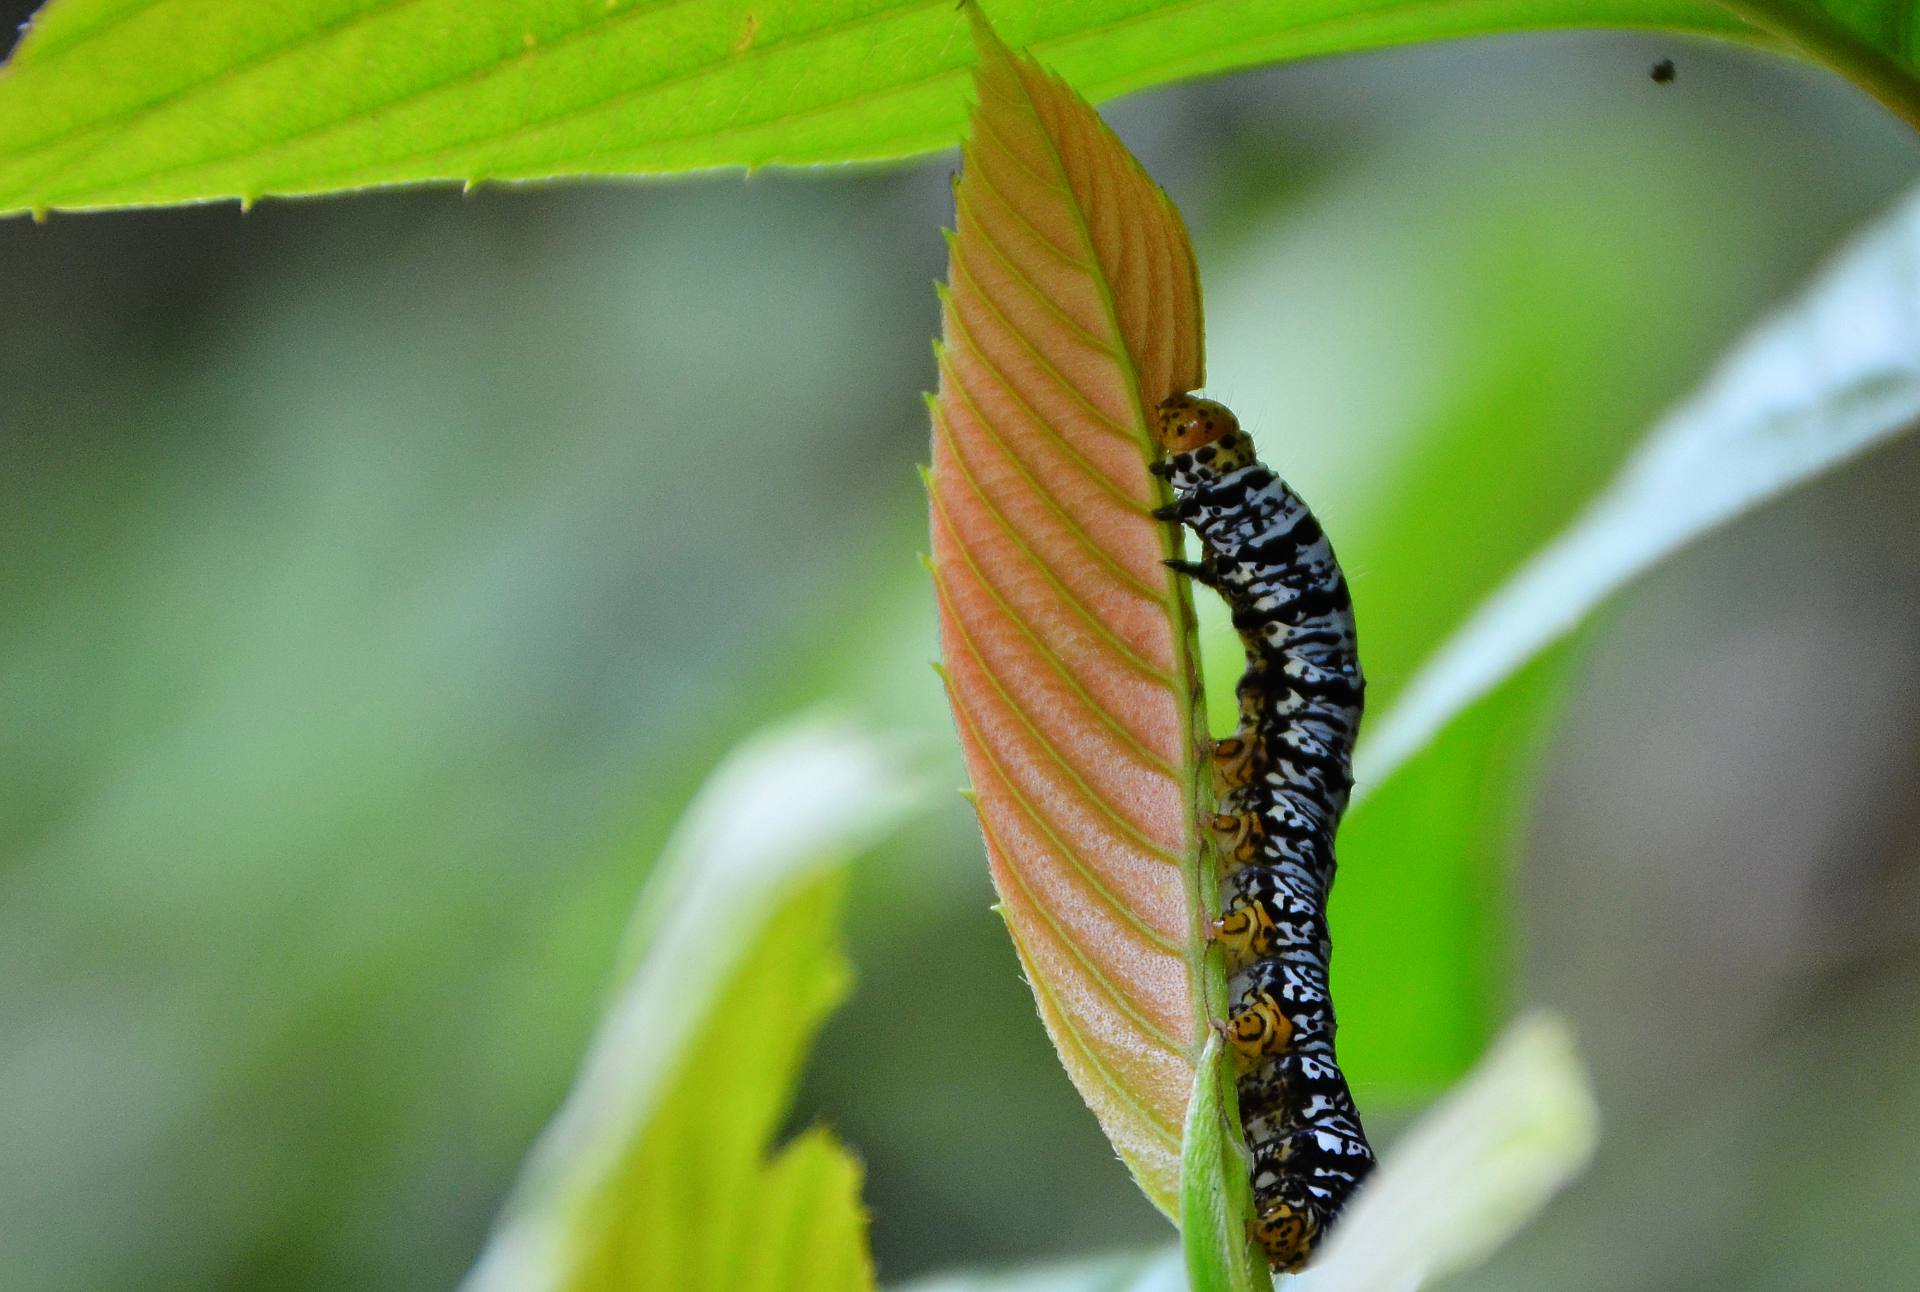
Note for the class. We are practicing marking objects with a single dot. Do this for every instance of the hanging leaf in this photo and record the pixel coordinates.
(1071, 310)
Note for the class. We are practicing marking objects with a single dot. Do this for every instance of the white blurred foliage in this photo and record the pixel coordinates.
(1448, 1194)
(1472, 1172)
(1162, 1271)
(1832, 374)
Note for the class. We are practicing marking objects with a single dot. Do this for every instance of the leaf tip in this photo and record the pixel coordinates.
(986, 41)
(976, 16)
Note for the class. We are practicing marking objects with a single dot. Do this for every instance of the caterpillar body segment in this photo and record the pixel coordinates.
(1282, 780)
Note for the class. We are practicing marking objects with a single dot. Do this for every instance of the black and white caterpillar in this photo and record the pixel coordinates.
(1282, 779)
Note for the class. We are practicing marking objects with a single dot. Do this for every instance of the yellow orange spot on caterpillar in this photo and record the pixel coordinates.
(1246, 930)
(1287, 1233)
(1238, 835)
(1233, 762)
(1258, 1032)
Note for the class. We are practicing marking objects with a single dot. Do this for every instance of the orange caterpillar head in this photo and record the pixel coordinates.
(1186, 423)
(1201, 440)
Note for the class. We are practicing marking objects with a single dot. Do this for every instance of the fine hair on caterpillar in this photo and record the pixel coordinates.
(1282, 780)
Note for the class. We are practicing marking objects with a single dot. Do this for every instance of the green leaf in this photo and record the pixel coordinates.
(653, 1173)
(109, 103)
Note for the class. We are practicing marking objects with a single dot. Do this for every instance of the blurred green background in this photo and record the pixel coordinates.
(383, 574)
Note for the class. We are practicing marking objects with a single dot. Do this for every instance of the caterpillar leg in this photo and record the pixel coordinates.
(1246, 930)
(1287, 1233)
(1255, 691)
(1198, 571)
(1233, 762)
(1239, 835)
(1257, 1033)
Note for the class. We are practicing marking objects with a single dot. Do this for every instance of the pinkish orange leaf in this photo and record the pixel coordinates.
(1071, 310)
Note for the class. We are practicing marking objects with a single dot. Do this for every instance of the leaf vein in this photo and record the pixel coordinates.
(964, 711)
(1149, 1120)
(1093, 798)
(965, 336)
(988, 128)
(1019, 275)
(1117, 647)
(1085, 541)
(1100, 419)
(1123, 1000)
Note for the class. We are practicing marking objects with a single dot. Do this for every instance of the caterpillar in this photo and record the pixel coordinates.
(1282, 781)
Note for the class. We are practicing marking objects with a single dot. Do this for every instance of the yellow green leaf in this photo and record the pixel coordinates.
(655, 1173)
(109, 103)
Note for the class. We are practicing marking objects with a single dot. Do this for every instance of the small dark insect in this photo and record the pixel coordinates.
(1662, 71)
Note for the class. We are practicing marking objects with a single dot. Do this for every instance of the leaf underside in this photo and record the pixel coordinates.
(1072, 307)
(117, 103)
